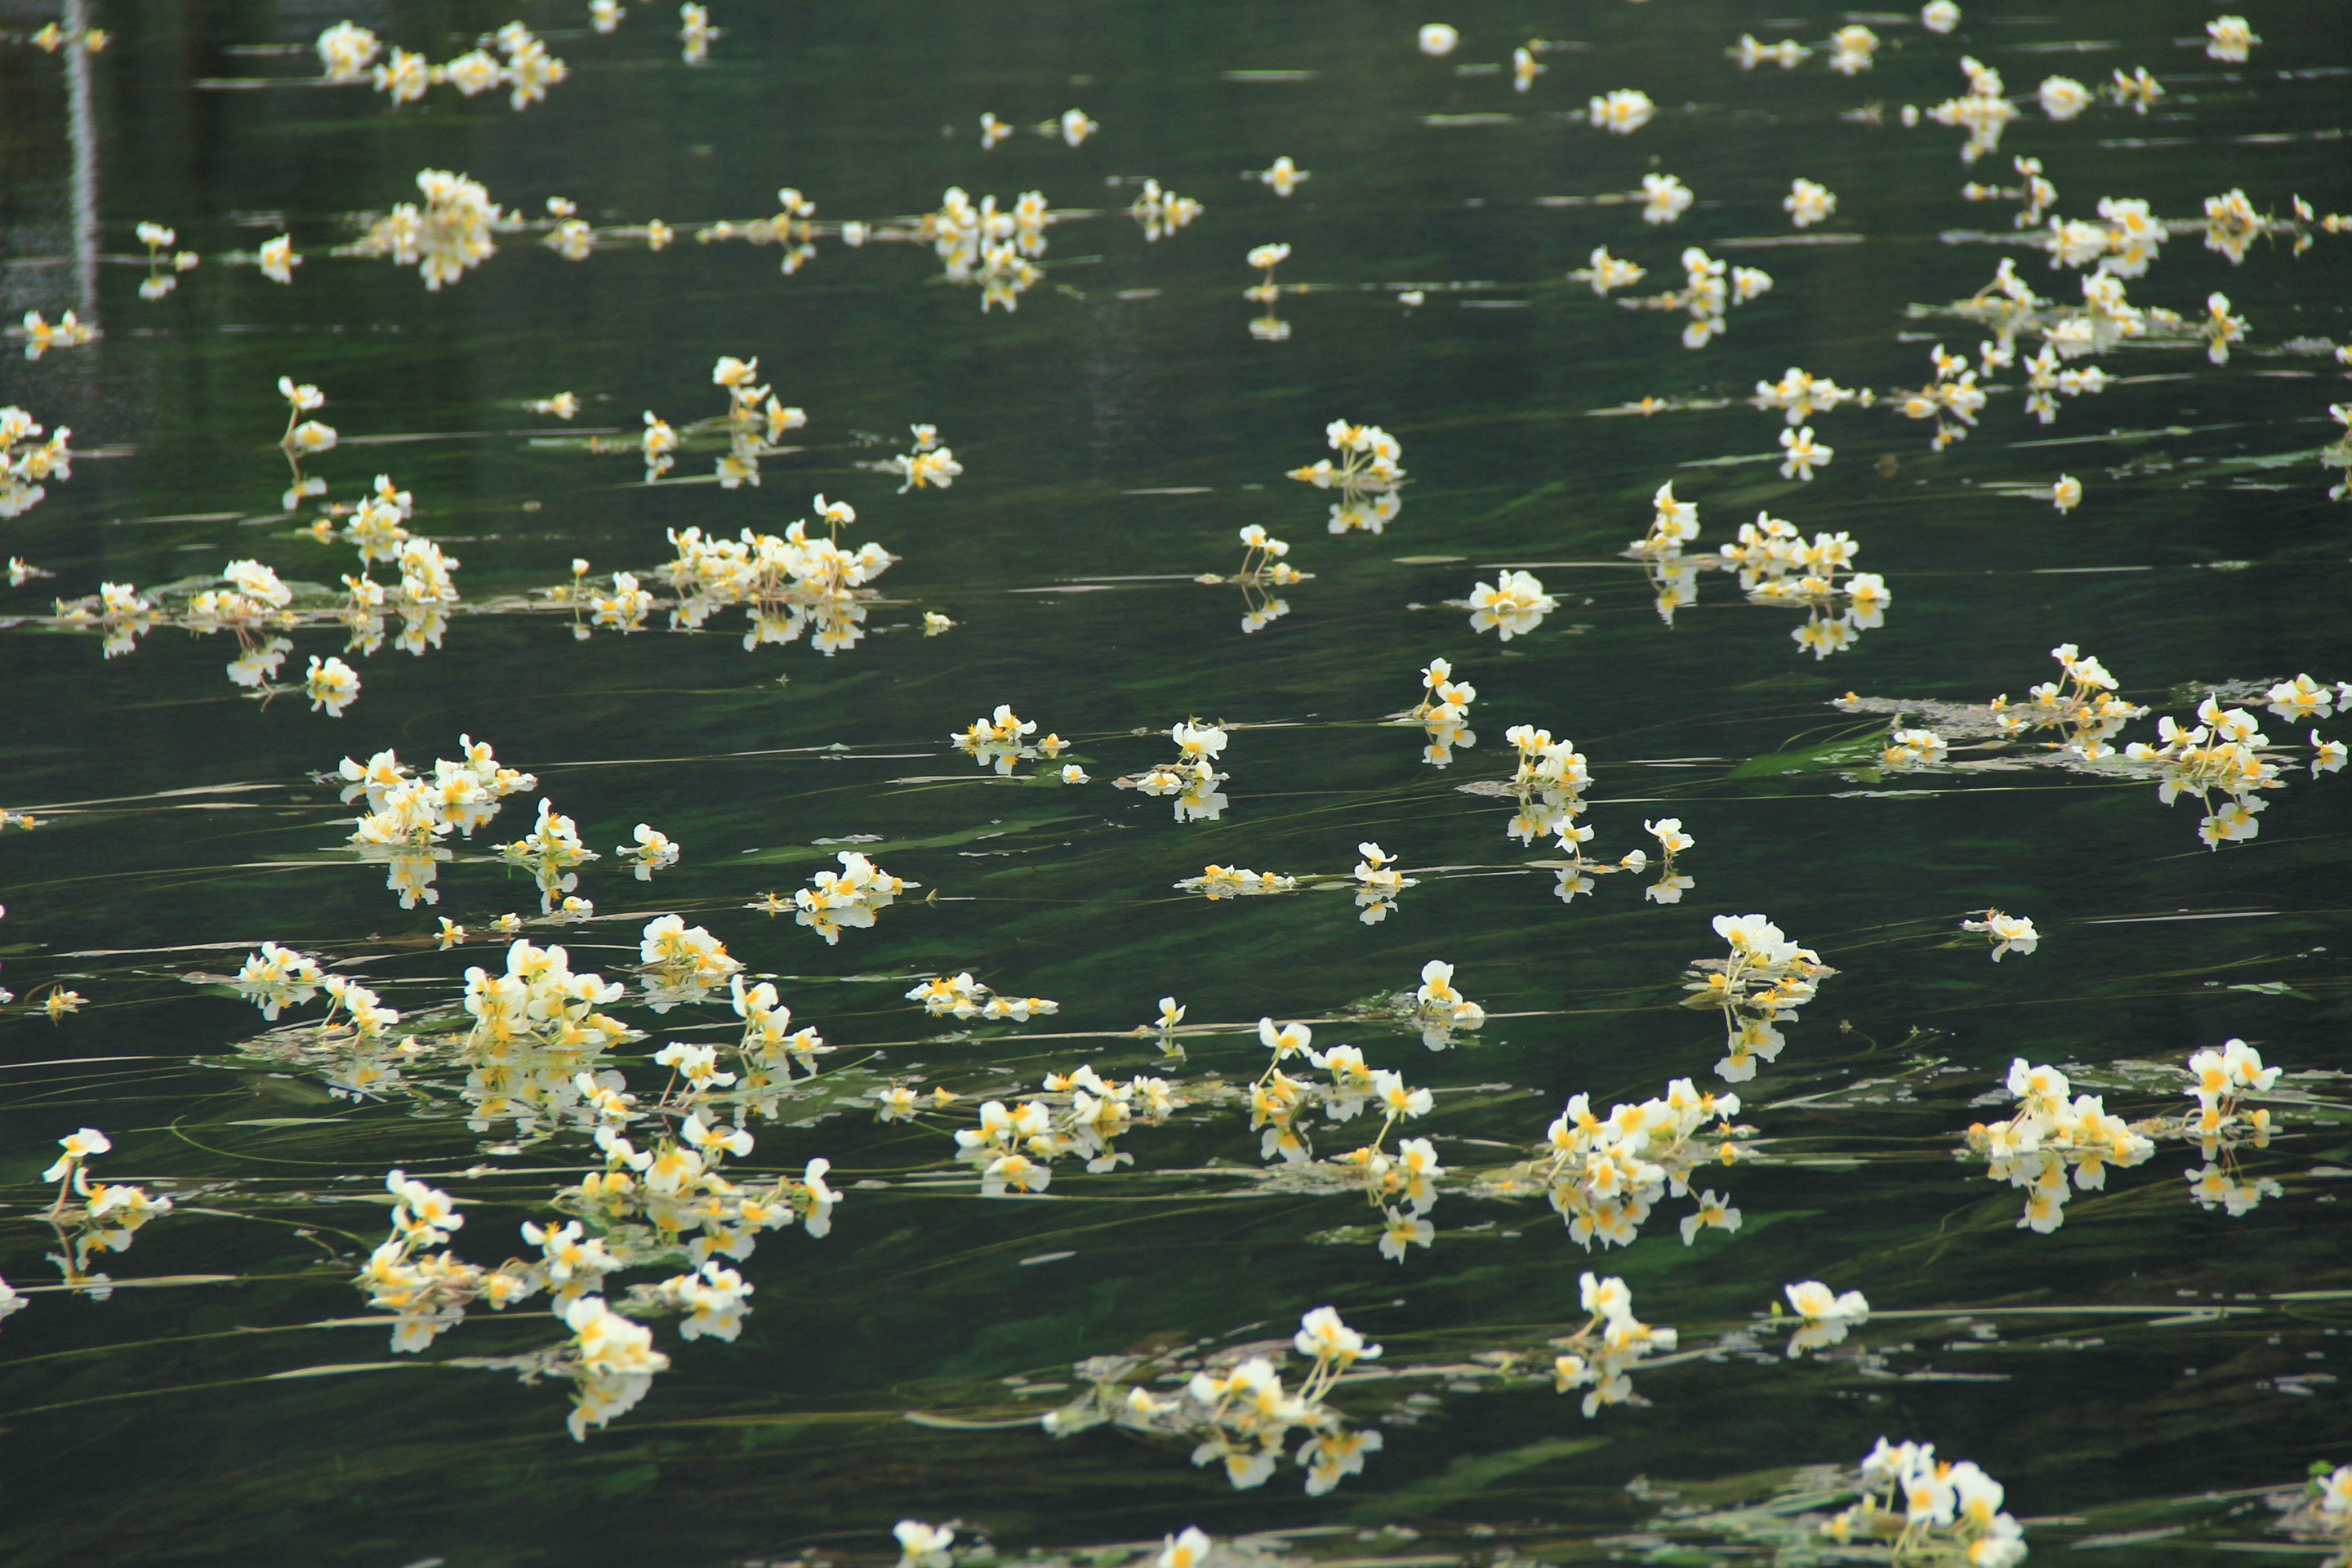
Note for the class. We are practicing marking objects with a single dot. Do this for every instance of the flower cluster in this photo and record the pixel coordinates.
(1191, 780)
(407, 815)
(2048, 1135)
(989, 246)
(1378, 883)
(1278, 1104)
(1711, 288)
(1809, 203)
(1368, 477)
(1853, 49)
(2010, 307)
(91, 1215)
(1605, 272)
(1001, 740)
(610, 1362)
(752, 431)
(425, 1289)
(1913, 749)
(682, 963)
(928, 465)
(1953, 400)
(550, 851)
(1788, 54)
(835, 899)
(2033, 193)
(960, 996)
(1161, 212)
(279, 977)
(1548, 782)
(1217, 882)
(1443, 712)
(1984, 111)
(1077, 1113)
(1927, 1510)
(694, 34)
(444, 239)
(1239, 1412)
(654, 850)
(771, 1047)
(794, 226)
(24, 463)
(2084, 705)
(1604, 1174)
(535, 1031)
(676, 1187)
(1673, 523)
(1763, 983)
(121, 613)
(2225, 753)
(1612, 1343)
(608, 1356)
(2220, 1080)
(2229, 38)
(787, 585)
(1263, 567)
(41, 334)
(1439, 1008)
(1777, 565)
(347, 52)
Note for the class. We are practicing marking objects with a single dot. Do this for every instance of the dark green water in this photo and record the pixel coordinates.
(1116, 430)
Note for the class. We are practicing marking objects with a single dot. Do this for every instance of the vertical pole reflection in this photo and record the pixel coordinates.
(82, 127)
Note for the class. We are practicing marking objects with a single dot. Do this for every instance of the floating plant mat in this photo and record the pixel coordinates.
(1202, 787)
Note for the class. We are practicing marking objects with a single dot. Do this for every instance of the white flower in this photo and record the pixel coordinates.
(2063, 97)
(1437, 40)
(1665, 198)
(1808, 203)
(2229, 38)
(1621, 112)
(1713, 1212)
(1190, 1549)
(1805, 454)
(1284, 1040)
(332, 685)
(78, 1146)
(1403, 1231)
(923, 1545)
(1825, 1316)
(1322, 1336)
(278, 260)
